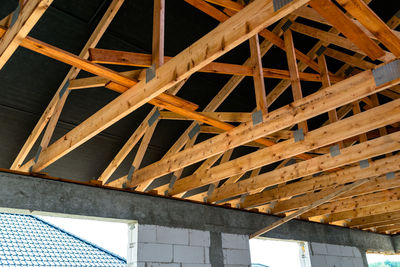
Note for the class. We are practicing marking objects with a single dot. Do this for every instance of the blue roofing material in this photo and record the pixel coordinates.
(26, 240)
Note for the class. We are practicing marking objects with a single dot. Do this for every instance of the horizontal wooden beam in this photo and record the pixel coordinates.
(222, 116)
(228, 4)
(256, 16)
(105, 56)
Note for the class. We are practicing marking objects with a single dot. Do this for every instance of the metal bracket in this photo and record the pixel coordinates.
(387, 73)
(130, 173)
(317, 174)
(320, 50)
(154, 117)
(15, 15)
(278, 4)
(243, 197)
(63, 89)
(298, 135)
(172, 181)
(364, 164)
(211, 189)
(150, 73)
(290, 162)
(334, 150)
(257, 117)
(194, 131)
(390, 175)
(287, 25)
(124, 185)
(36, 158)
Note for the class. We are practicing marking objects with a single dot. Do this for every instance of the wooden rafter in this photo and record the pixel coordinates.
(26, 20)
(294, 72)
(343, 173)
(350, 174)
(338, 192)
(363, 84)
(53, 106)
(212, 106)
(328, 10)
(373, 23)
(258, 79)
(226, 36)
(309, 167)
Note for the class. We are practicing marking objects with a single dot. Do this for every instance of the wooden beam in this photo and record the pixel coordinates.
(258, 79)
(370, 221)
(47, 114)
(222, 116)
(256, 16)
(125, 82)
(209, 9)
(357, 86)
(362, 196)
(350, 60)
(98, 81)
(270, 36)
(368, 18)
(347, 175)
(340, 190)
(345, 25)
(215, 102)
(106, 56)
(127, 147)
(26, 20)
(360, 202)
(228, 4)
(294, 72)
(379, 208)
(326, 82)
(334, 39)
(356, 110)
(311, 14)
(309, 167)
(158, 33)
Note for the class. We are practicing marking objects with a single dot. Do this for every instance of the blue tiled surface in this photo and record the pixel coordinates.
(28, 241)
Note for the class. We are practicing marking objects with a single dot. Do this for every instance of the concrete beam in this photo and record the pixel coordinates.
(33, 194)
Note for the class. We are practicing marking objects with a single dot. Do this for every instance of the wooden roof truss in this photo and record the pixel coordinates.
(344, 173)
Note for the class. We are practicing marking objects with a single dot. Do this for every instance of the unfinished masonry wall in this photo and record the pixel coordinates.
(327, 255)
(158, 246)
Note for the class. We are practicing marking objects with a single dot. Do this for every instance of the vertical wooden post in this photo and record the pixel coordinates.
(294, 72)
(258, 77)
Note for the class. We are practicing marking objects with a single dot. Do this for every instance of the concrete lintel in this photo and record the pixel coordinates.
(28, 193)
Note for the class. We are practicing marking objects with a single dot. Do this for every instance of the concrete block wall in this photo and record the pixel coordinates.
(326, 255)
(236, 250)
(158, 246)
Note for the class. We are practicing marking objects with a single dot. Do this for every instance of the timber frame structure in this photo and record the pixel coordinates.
(329, 154)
